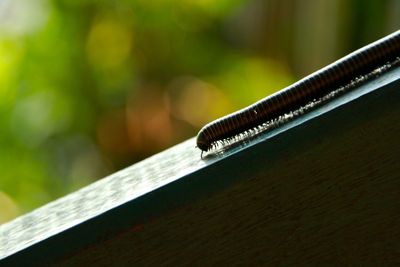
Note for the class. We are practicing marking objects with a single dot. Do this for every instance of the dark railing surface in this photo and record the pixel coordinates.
(321, 189)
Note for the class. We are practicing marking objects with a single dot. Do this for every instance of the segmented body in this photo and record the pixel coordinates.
(302, 92)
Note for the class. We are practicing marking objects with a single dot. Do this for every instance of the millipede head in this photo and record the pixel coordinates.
(202, 141)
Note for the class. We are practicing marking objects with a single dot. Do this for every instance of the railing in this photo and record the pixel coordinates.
(321, 189)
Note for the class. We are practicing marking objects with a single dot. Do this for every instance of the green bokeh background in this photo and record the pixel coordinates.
(89, 87)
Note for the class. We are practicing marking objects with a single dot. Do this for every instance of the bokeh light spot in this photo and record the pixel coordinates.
(11, 54)
(109, 44)
(198, 102)
(20, 17)
(9, 208)
(38, 116)
(149, 122)
(248, 79)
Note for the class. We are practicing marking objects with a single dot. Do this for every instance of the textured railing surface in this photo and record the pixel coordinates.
(321, 189)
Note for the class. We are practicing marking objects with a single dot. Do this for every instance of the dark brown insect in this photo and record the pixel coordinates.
(302, 92)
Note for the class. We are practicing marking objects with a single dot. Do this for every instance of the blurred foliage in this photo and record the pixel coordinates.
(88, 87)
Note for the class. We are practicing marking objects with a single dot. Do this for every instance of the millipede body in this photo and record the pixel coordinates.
(314, 86)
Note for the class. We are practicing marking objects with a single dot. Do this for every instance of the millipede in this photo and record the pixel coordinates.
(304, 91)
